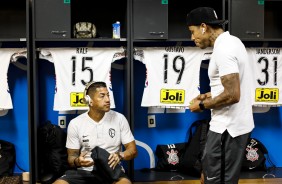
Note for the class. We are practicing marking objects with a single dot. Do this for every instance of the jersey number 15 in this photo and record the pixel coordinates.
(84, 68)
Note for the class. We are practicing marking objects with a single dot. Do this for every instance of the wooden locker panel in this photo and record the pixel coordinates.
(246, 19)
(52, 19)
(150, 19)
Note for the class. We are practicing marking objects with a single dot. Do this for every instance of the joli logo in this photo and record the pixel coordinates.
(267, 94)
(172, 96)
(76, 99)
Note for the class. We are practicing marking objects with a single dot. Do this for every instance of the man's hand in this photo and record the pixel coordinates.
(203, 96)
(194, 105)
(114, 159)
(83, 161)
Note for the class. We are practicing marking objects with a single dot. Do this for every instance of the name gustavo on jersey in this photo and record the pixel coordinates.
(175, 49)
(81, 50)
(268, 51)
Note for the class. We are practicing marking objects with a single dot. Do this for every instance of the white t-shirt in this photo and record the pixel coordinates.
(75, 67)
(7, 55)
(85, 134)
(230, 56)
(267, 71)
(172, 78)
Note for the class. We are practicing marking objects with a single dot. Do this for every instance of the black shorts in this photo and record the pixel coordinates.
(85, 177)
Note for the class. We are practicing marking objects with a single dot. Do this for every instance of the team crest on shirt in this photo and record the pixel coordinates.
(112, 132)
(267, 95)
(172, 157)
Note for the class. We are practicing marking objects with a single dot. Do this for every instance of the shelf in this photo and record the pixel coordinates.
(12, 39)
(82, 40)
(73, 42)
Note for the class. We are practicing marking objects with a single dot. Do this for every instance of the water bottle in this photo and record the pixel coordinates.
(116, 30)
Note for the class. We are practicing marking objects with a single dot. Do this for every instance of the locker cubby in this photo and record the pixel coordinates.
(13, 19)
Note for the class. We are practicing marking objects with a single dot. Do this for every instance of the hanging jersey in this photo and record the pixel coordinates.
(7, 55)
(267, 71)
(74, 68)
(172, 79)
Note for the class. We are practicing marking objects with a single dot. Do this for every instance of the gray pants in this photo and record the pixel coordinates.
(222, 158)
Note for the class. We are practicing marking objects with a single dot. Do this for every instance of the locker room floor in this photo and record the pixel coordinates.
(242, 181)
(250, 177)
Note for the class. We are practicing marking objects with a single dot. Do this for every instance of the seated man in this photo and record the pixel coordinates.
(101, 127)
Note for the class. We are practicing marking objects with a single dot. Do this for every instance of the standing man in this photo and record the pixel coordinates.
(101, 127)
(229, 100)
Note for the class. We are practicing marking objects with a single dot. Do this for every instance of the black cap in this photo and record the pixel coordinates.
(205, 15)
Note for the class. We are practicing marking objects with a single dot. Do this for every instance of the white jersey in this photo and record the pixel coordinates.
(109, 133)
(172, 79)
(7, 55)
(267, 71)
(74, 68)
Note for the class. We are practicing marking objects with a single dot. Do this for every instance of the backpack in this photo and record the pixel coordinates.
(191, 160)
(255, 156)
(7, 158)
(169, 156)
(53, 158)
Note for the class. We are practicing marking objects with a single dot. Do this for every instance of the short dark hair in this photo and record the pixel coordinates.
(92, 88)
